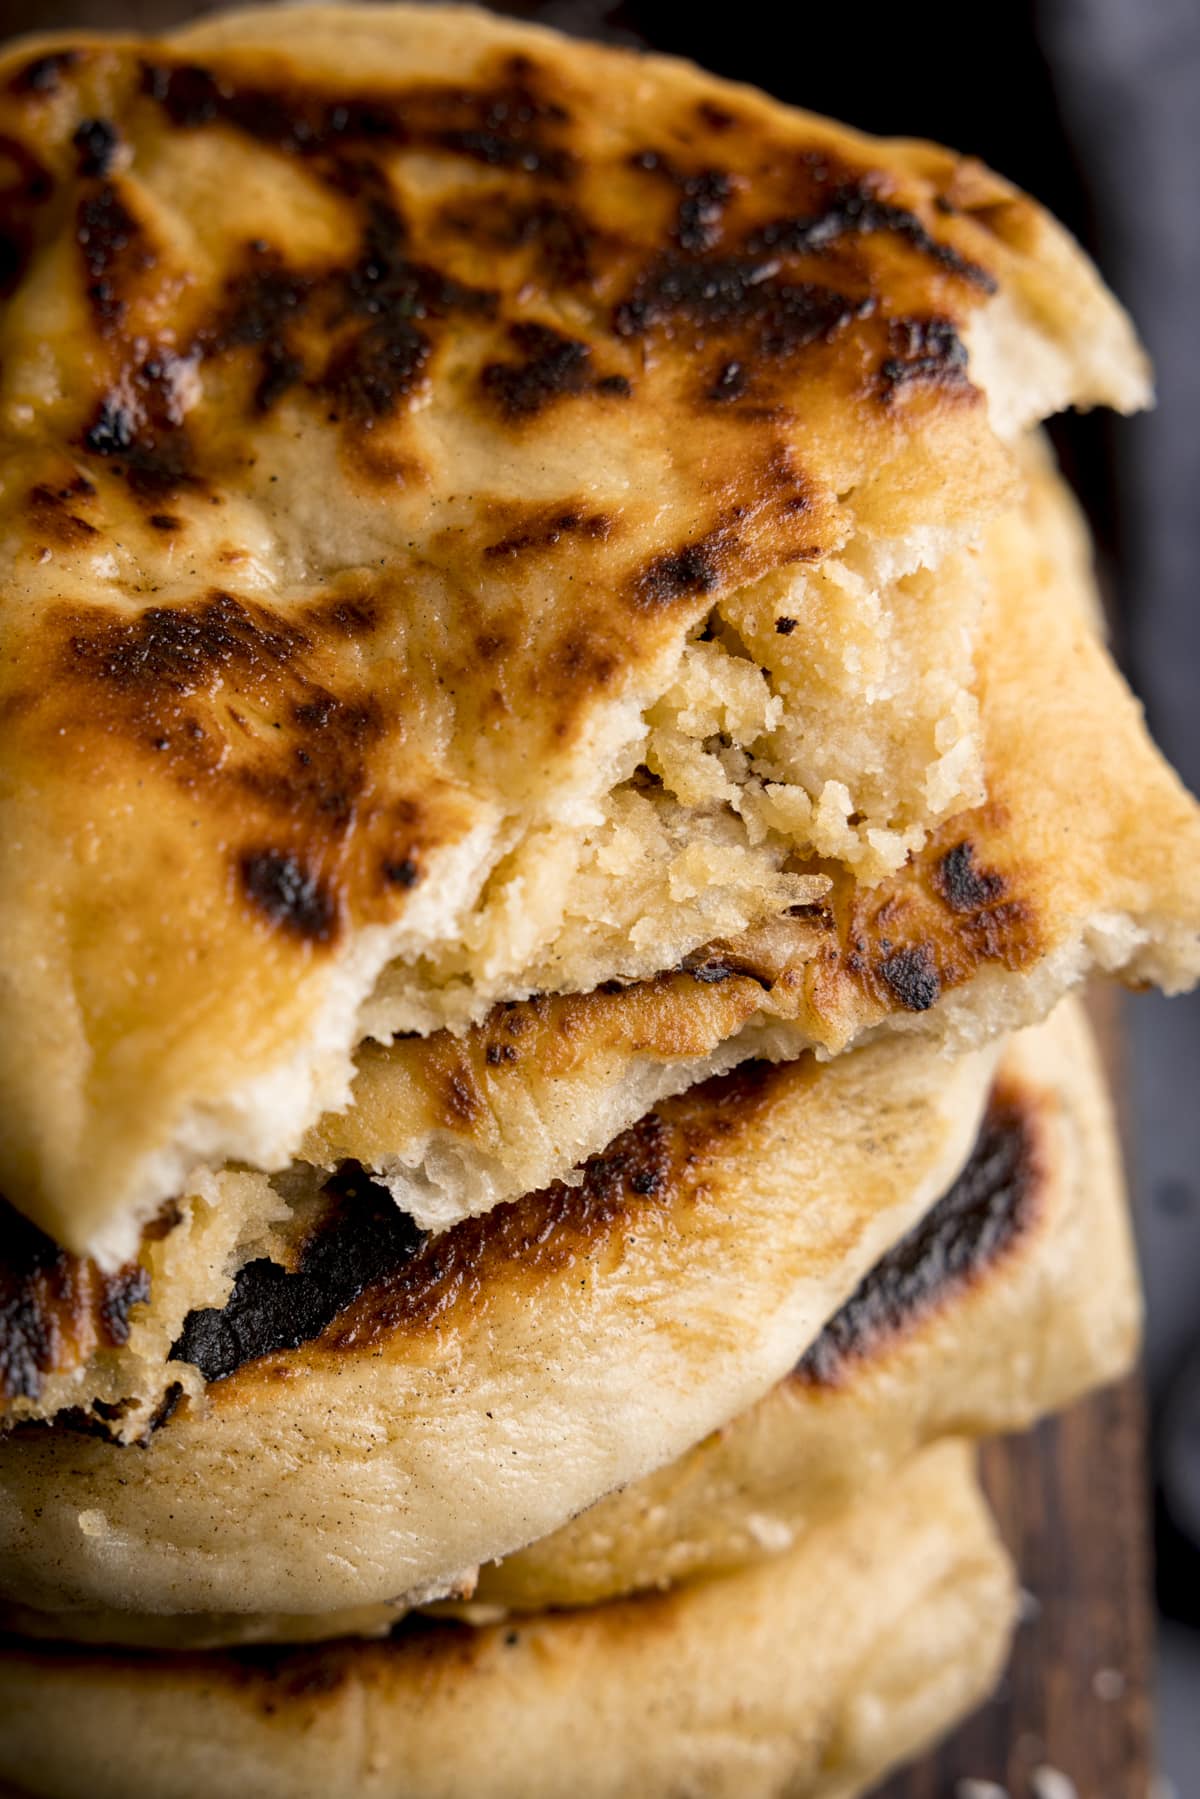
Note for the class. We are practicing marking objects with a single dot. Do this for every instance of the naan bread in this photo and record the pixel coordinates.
(808, 1676)
(413, 424)
(1085, 856)
(471, 1392)
(1014, 1296)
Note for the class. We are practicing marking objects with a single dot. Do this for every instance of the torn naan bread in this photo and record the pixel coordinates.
(413, 425)
(1086, 856)
(1013, 1296)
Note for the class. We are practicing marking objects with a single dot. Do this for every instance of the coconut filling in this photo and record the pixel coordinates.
(809, 715)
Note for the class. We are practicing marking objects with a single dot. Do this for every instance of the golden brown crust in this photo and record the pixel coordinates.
(386, 397)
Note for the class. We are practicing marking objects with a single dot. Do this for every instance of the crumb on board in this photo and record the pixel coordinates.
(1108, 1684)
(1051, 1783)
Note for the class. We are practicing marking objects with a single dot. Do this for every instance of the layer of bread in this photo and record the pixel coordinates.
(1085, 857)
(479, 1388)
(810, 1675)
(1013, 1296)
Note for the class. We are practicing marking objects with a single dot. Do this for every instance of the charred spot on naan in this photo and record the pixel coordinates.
(43, 74)
(994, 1203)
(512, 121)
(116, 252)
(365, 1275)
(928, 929)
(357, 339)
(848, 205)
(225, 696)
(543, 366)
(362, 1236)
(550, 234)
(776, 249)
(532, 529)
(776, 501)
(56, 1309)
(56, 511)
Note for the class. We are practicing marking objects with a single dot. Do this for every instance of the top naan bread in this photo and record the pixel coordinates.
(412, 426)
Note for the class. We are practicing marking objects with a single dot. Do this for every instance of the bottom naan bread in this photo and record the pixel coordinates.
(808, 1676)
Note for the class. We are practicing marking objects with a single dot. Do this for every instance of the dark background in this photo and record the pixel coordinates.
(1093, 105)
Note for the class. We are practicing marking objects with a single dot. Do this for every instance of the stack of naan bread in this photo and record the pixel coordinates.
(558, 774)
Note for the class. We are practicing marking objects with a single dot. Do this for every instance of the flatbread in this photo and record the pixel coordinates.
(412, 424)
(809, 1676)
(1086, 856)
(483, 1386)
(1014, 1296)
